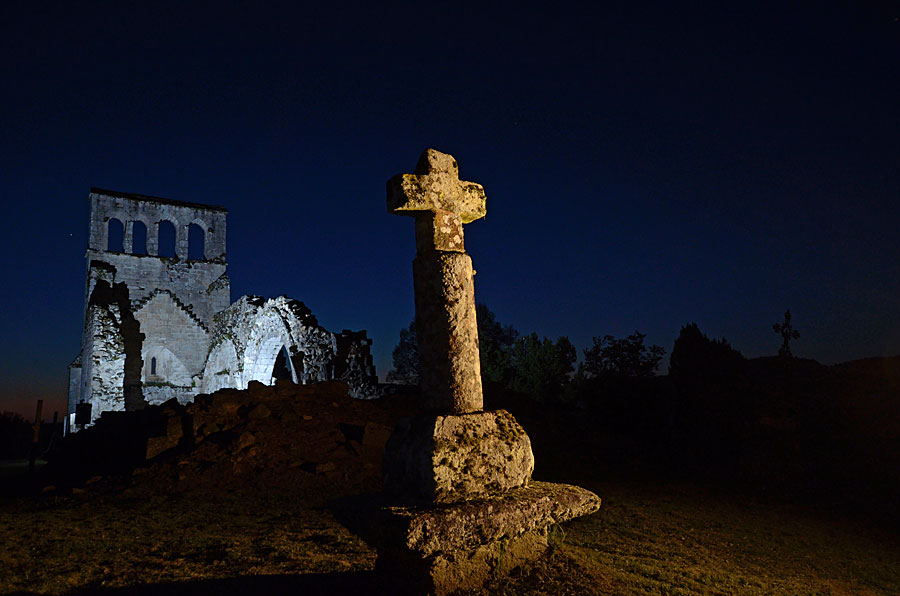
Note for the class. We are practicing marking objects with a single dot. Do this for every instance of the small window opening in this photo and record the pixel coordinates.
(139, 238)
(116, 236)
(153, 366)
(166, 239)
(195, 243)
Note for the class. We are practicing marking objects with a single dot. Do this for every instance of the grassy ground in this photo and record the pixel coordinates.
(61, 545)
(661, 540)
(679, 540)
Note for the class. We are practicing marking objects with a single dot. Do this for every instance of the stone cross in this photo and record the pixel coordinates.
(446, 330)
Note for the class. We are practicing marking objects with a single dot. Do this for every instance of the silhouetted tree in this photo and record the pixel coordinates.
(627, 357)
(542, 368)
(405, 358)
(698, 359)
(495, 349)
(495, 343)
(713, 403)
(787, 333)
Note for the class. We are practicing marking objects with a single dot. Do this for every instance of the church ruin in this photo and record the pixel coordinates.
(159, 322)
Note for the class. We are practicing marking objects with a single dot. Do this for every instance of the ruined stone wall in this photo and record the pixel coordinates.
(255, 330)
(74, 392)
(158, 394)
(168, 306)
(248, 337)
(160, 326)
(110, 361)
(171, 333)
(201, 284)
(354, 363)
(103, 373)
(130, 207)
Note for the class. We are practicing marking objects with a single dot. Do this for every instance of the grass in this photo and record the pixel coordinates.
(646, 540)
(683, 541)
(81, 543)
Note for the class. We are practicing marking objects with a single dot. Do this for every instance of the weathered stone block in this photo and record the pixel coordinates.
(448, 573)
(445, 459)
(439, 549)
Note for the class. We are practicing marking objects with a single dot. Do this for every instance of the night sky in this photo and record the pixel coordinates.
(645, 167)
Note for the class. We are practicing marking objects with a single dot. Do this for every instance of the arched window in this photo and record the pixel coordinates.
(196, 243)
(139, 238)
(166, 239)
(153, 366)
(115, 236)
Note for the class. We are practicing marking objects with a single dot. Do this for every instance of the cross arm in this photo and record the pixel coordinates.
(435, 186)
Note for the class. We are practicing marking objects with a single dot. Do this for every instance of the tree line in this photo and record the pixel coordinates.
(534, 366)
(545, 370)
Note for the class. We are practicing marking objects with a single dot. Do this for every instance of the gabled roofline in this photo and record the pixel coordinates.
(161, 200)
(140, 303)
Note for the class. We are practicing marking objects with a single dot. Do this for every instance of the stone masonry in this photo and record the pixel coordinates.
(256, 339)
(159, 323)
(460, 504)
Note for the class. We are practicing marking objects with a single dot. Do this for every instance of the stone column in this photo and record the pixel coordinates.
(153, 239)
(128, 237)
(181, 240)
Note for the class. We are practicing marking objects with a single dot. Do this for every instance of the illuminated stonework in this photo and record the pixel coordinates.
(159, 324)
(461, 506)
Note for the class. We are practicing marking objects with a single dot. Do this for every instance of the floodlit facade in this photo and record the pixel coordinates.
(159, 323)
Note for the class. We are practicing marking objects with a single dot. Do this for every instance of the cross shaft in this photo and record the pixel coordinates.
(446, 329)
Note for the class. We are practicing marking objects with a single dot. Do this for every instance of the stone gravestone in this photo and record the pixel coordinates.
(464, 507)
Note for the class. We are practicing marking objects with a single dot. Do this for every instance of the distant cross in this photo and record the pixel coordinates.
(787, 334)
(446, 330)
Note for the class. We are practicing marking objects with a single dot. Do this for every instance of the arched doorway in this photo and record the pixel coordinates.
(284, 368)
(271, 362)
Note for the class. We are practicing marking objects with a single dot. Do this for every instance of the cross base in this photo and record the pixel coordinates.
(445, 459)
(437, 549)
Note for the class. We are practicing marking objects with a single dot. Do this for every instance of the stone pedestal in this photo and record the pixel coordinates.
(445, 459)
(437, 549)
(468, 509)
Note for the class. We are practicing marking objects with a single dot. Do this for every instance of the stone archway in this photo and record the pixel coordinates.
(269, 336)
(281, 339)
(283, 369)
(260, 364)
(222, 370)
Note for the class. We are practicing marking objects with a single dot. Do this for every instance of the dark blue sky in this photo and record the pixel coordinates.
(645, 167)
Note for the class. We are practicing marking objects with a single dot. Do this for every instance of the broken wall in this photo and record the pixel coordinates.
(249, 336)
(169, 328)
(171, 299)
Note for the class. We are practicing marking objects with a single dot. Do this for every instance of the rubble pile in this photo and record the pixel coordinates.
(279, 436)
